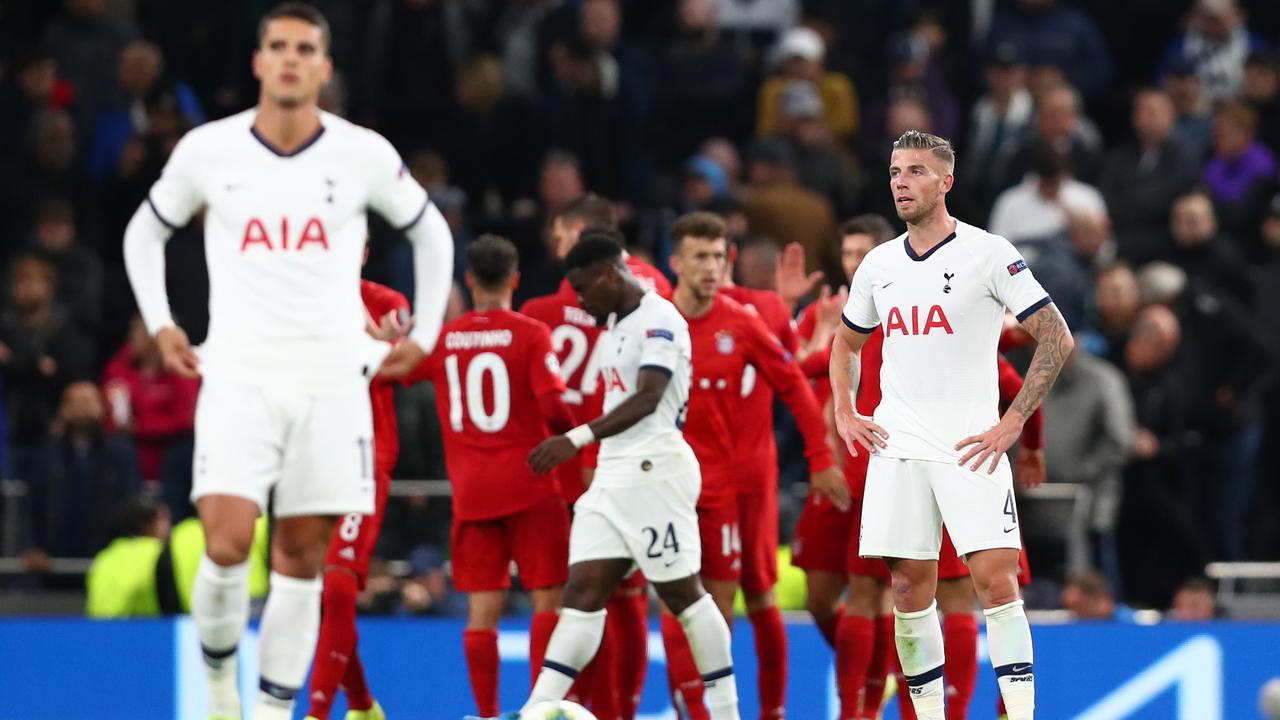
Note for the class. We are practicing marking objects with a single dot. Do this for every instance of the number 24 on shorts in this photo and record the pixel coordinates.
(668, 537)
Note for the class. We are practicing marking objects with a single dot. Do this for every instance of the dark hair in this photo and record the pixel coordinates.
(55, 208)
(1238, 112)
(1197, 584)
(869, 224)
(492, 260)
(133, 517)
(595, 212)
(700, 225)
(1048, 161)
(1090, 582)
(297, 11)
(593, 247)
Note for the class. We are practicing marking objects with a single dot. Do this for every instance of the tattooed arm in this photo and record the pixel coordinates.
(1053, 345)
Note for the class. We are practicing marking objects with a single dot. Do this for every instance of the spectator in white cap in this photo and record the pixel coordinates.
(800, 54)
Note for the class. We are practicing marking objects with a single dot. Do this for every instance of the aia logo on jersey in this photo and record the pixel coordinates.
(257, 236)
(612, 379)
(935, 320)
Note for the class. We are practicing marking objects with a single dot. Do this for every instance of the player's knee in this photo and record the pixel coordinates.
(996, 589)
(586, 599)
(820, 608)
(678, 596)
(228, 550)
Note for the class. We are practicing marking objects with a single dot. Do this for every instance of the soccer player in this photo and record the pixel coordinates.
(640, 508)
(612, 683)
(727, 340)
(284, 408)
(937, 442)
(337, 661)
(498, 392)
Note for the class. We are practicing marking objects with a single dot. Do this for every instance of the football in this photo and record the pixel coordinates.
(562, 710)
(1269, 699)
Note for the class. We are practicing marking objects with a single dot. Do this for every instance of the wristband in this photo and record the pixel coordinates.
(581, 436)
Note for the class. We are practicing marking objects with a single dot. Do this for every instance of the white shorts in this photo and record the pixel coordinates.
(653, 523)
(906, 503)
(313, 448)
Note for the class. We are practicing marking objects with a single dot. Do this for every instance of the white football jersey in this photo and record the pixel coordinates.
(284, 240)
(654, 335)
(942, 315)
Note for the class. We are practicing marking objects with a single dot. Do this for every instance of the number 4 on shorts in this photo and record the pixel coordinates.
(668, 541)
(1011, 510)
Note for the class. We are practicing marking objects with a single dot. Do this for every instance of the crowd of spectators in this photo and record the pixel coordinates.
(1127, 147)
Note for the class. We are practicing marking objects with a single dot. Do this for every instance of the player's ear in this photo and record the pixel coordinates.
(257, 61)
(948, 180)
(514, 282)
(470, 280)
(328, 68)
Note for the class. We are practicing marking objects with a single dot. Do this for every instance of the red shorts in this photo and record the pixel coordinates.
(950, 566)
(721, 541)
(537, 538)
(822, 536)
(355, 536)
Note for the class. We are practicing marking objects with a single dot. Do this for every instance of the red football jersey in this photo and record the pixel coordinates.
(490, 369)
(380, 300)
(725, 340)
(573, 338)
(758, 452)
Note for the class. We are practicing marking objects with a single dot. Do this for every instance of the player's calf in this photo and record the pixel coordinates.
(709, 639)
(1008, 632)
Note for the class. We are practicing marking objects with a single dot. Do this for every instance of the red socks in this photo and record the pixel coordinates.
(906, 709)
(682, 671)
(771, 656)
(481, 648)
(337, 642)
(855, 644)
(960, 638)
(628, 622)
(830, 626)
(355, 685)
(540, 629)
(882, 655)
(602, 686)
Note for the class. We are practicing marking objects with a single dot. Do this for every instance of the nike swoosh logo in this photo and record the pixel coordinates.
(1009, 530)
(882, 287)
(669, 564)
(1019, 669)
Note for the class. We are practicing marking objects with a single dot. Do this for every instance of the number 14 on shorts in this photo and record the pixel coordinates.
(662, 540)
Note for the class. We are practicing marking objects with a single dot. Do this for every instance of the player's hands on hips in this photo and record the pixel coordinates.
(830, 483)
(402, 359)
(176, 352)
(858, 430)
(550, 453)
(1028, 467)
(990, 445)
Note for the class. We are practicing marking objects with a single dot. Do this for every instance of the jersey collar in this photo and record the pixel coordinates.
(277, 151)
(906, 243)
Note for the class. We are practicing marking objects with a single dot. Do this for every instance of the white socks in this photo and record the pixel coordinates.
(709, 640)
(286, 642)
(573, 643)
(919, 640)
(220, 610)
(1009, 640)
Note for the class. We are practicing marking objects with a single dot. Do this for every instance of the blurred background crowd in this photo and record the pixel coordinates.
(1127, 147)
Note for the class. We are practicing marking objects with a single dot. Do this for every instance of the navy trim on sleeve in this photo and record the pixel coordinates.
(1036, 306)
(859, 328)
(160, 217)
(664, 370)
(416, 218)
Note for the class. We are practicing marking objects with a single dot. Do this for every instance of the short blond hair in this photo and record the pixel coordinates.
(940, 147)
